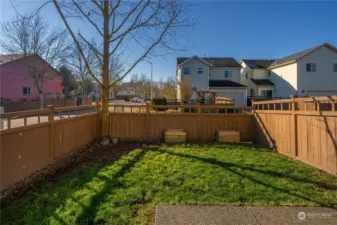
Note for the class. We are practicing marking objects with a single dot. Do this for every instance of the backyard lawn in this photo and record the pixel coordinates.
(126, 191)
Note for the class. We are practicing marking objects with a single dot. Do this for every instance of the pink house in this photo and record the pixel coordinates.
(15, 83)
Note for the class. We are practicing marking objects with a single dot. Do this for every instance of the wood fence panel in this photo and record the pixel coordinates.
(317, 141)
(307, 132)
(23, 152)
(199, 127)
(27, 149)
(74, 133)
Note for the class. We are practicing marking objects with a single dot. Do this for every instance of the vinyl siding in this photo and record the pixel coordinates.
(324, 80)
(285, 80)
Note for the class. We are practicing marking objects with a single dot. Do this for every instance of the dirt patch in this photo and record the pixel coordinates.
(84, 157)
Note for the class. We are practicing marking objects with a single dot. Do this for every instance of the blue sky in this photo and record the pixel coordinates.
(239, 29)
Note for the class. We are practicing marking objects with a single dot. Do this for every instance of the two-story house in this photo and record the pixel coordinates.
(312, 72)
(15, 82)
(215, 74)
(255, 75)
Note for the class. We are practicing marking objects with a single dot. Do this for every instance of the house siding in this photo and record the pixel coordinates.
(218, 73)
(199, 81)
(14, 76)
(285, 80)
(324, 80)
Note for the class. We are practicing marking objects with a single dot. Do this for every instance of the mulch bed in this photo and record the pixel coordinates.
(92, 153)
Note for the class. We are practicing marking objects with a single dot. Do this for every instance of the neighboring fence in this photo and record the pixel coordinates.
(29, 148)
(148, 123)
(300, 129)
(17, 106)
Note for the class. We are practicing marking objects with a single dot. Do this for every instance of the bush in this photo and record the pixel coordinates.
(159, 101)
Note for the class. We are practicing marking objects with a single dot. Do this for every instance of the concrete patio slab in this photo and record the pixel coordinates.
(241, 215)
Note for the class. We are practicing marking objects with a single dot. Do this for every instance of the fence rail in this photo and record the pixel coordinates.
(44, 115)
(178, 109)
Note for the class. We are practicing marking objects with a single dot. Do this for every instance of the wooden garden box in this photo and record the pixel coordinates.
(228, 136)
(175, 136)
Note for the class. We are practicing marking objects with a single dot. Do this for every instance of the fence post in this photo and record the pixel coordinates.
(51, 132)
(2, 120)
(98, 120)
(294, 122)
(147, 130)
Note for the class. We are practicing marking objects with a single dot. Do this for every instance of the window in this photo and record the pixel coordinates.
(246, 76)
(267, 93)
(200, 70)
(311, 67)
(335, 67)
(228, 73)
(269, 73)
(27, 91)
(186, 70)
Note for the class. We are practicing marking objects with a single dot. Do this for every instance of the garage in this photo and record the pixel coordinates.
(238, 96)
(230, 89)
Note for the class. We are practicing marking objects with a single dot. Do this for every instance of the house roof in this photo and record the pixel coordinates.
(213, 61)
(258, 63)
(224, 83)
(9, 58)
(298, 55)
(262, 82)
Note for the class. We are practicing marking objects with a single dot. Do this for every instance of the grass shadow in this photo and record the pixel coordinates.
(229, 167)
(109, 187)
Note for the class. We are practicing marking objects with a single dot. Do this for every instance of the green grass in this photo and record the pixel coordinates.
(126, 191)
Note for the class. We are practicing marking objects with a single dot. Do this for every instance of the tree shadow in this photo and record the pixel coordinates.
(109, 186)
(228, 166)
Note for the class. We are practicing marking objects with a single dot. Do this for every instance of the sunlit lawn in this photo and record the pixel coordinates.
(126, 191)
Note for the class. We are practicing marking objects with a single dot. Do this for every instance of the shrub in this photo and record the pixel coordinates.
(159, 101)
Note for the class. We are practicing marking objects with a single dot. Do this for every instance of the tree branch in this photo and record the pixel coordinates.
(76, 42)
(87, 17)
(129, 14)
(92, 47)
(149, 49)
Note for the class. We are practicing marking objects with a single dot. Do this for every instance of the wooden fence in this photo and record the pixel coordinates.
(300, 129)
(20, 105)
(148, 123)
(56, 132)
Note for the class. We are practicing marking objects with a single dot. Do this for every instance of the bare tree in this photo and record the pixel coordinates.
(39, 76)
(81, 72)
(32, 35)
(115, 70)
(150, 25)
(169, 87)
(142, 85)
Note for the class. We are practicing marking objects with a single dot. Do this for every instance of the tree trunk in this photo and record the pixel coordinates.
(105, 89)
(41, 100)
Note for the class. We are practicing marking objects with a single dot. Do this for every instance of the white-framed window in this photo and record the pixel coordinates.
(245, 76)
(200, 70)
(310, 67)
(26, 91)
(187, 70)
(228, 73)
(269, 73)
(334, 67)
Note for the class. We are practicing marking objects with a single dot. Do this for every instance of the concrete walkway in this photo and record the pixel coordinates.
(241, 215)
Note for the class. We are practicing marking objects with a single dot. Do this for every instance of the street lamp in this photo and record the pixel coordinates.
(151, 77)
